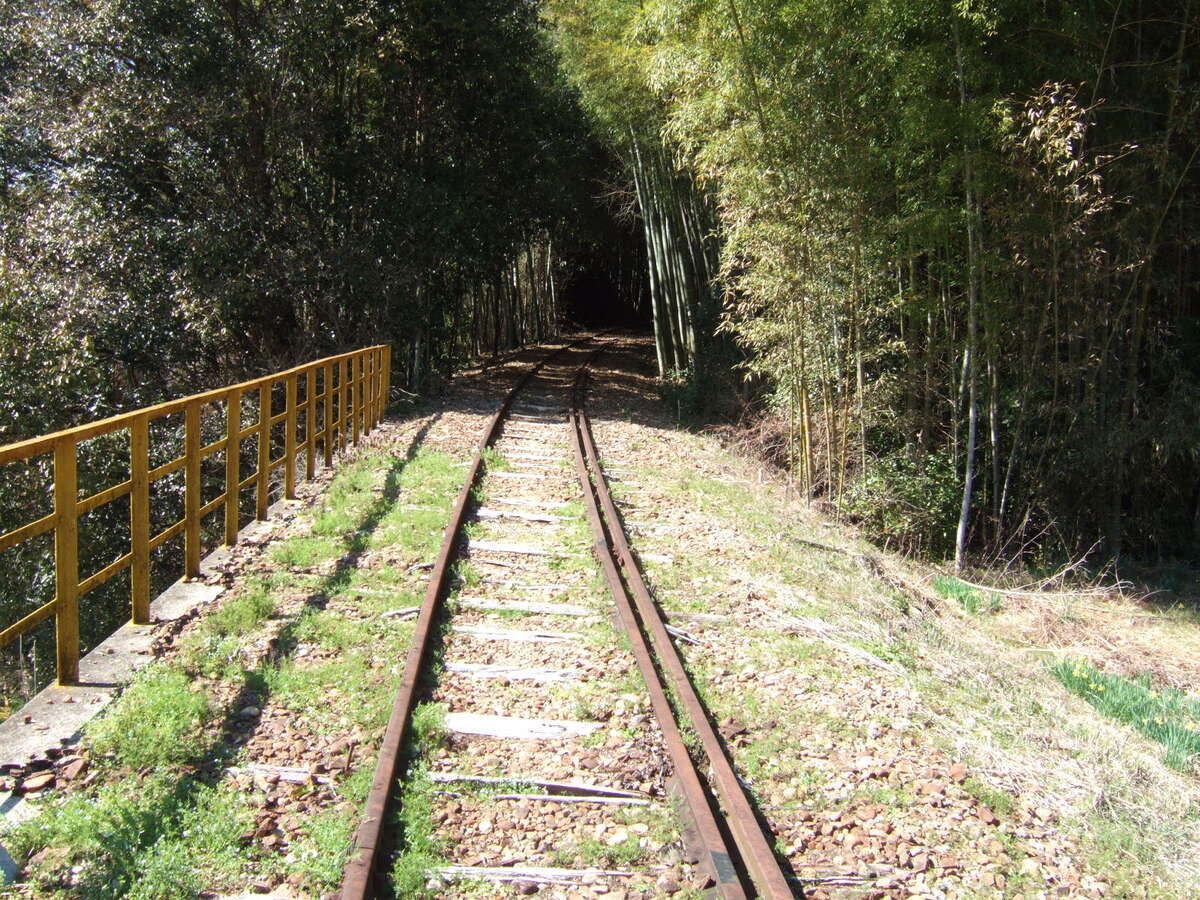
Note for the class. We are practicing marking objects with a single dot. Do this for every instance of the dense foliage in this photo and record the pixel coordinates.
(196, 191)
(957, 243)
(194, 188)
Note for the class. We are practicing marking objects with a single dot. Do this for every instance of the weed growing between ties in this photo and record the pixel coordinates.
(420, 850)
(495, 461)
(161, 820)
(1168, 716)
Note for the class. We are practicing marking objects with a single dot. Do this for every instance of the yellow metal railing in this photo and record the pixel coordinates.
(347, 392)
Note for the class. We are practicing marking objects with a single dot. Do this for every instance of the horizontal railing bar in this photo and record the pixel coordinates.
(211, 505)
(43, 444)
(360, 376)
(106, 573)
(167, 468)
(26, 532)
(161, 538)
(39, 615)
(112, 493)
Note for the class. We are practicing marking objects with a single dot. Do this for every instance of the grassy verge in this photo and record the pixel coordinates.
(306, 653)
(1169, 717)
(973, 600)
(420, 849)
(1040, 762)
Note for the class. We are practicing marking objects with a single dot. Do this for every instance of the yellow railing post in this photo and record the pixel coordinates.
(387, 379)
(66, 561)
(310, 422)
(327, 446)
(364, 391)
(367, 375)
(233, 466)
(139, 519)
(191, 490)
(355, 391)
(364, 378)
(372, 379)
(262, 486)
(343, 395)
(289, 439)
(373, 394)
(377, 364)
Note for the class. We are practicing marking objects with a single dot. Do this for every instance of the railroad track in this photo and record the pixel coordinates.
(537, 759)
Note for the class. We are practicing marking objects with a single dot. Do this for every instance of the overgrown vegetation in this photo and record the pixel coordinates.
(1168, 716)
(156, 722)
(215, 191)
(161, 820)
(966, 690)
(973, 600)
(954, 243)
(165, 839)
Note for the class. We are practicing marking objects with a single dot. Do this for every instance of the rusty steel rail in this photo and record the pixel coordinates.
(362, 877)
(708, 841)
(612, 549)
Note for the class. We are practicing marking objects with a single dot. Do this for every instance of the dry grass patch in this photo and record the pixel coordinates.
(876, 696)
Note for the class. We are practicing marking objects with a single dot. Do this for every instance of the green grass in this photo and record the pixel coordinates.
(154, 839)
(331, 692)
(428, 486)
(214, 649)
(420, 849)
(999, 802)
(303, 552)
(240, 614)
(1168, 717)
(973, 600)
(596, 853)
(153, 722)
(427, 727)
(349, 492)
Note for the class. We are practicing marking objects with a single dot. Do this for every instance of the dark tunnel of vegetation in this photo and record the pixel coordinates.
(939, 259)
